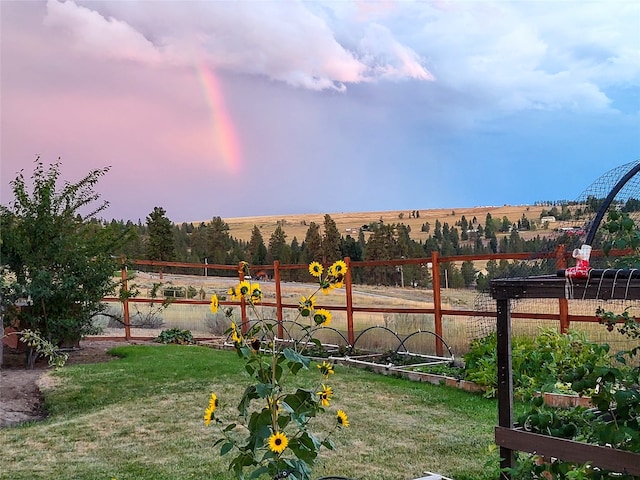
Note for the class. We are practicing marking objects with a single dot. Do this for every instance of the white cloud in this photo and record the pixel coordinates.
(511, 55)
(105, 36)
(284, 41)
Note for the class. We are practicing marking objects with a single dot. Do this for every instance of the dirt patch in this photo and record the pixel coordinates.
(20, 389)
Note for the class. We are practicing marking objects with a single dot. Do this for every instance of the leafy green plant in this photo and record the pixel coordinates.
(615, 421)
(56, 260)
(175, 335)
(41, 347)
(273, 436)
(539, 364)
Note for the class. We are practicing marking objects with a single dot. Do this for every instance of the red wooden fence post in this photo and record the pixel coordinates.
(348, 288)
(437, 306)
(125, 303)
(276, 278)
(563, 303)
(243, 303)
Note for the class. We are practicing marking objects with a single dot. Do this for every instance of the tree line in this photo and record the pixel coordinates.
(212, 243)
(58, 262)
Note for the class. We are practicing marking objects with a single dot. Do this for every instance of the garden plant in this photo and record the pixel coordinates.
(272, 436)
(613, 387)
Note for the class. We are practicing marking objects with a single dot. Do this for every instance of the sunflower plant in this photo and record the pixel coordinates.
(272, 437)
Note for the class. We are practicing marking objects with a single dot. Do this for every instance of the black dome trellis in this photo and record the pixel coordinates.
(613, 189)
(607, 201)
(616, 186)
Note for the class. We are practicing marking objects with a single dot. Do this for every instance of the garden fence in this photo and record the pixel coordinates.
(278, 276)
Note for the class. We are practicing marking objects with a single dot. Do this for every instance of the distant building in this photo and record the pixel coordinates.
(548, 219)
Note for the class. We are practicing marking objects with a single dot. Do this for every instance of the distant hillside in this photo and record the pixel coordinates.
(349, 223)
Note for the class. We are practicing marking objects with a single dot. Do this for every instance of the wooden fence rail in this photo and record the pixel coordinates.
(433, 263)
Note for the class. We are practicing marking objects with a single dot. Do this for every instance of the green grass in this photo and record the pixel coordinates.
(140, 417)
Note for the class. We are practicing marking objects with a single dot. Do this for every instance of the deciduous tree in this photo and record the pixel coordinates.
(58, 255)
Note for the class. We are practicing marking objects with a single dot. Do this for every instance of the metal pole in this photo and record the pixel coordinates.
(348, 289)
(437, 305)
(125, 303)
(276, 279)
(505, 380)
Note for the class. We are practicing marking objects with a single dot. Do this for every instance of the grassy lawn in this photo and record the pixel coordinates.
(140, 417)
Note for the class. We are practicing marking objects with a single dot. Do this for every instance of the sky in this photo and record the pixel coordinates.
(231, 109)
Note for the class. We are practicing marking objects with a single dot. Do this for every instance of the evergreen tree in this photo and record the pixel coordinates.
(296, 251)
(257, 248)
(160, 242)
(381, 246)
(218, 243)
(278, 248)
(493, 244)
(464, 226)
(492, 268)
(350, 247)
(489, 228)
(181, 242)
(331, 240)
(506, 225)
(312, 251)
(437, 231)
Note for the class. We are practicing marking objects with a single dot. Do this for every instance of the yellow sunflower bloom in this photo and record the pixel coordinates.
(325, 395)
(315, 269)
(214, 303)
(306, 305)
(255, 292)
(343, 420)
(235, 338)
(325, 287)
(278, 442)
(244, 289)
(211, 408)
(326, 369)
(322, 317)
(339, 268)
(234, 294)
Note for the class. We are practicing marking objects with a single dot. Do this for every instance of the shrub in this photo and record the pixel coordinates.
(175, 335)
(540, 364)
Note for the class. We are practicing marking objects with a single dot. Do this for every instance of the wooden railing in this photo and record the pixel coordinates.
(433, 263)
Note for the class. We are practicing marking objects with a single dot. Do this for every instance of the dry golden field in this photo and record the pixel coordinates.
(298, 224)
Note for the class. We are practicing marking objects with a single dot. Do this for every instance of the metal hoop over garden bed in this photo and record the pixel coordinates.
(335, 345)
(400, 358)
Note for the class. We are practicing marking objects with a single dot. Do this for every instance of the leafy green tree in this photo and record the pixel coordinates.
(60, 260)
(160, 243)
(331, 240)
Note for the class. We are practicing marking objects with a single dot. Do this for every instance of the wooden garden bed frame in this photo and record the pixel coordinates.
(511, 439)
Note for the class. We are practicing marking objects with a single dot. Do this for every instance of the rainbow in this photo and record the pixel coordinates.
(224, 132)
